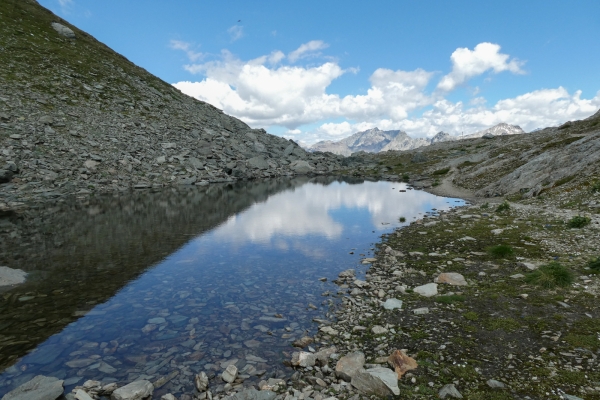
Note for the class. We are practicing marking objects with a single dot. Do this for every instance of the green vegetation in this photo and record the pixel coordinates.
(578, 222)
(503, 207)
(564, 180)
(551, 275)
(594, 264)
(595, 187)
(471, 316)
(402, 219)
(485, 206)
(405, 177)
(442, 171)
(500, 251)
(506, 324)
(449, 299)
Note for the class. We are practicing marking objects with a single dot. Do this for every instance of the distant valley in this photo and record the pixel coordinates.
(375, 140)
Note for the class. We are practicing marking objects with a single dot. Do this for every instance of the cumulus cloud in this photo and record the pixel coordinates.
(269, 91)
(310, 49)
(467, 64)
(236, 32)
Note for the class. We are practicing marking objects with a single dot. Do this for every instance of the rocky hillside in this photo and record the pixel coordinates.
(76, 117)
(375, 140)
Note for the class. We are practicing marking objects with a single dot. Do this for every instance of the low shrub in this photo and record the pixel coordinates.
(442, 171)
(594, 264)
(503, 207)
(595, 187)
(551, 275)
(500, 251)
(578, 222)
(405, 177)
(449, 299)
(402, 219)
(485, 206)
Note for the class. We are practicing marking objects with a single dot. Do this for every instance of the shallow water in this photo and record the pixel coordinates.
(177, 282)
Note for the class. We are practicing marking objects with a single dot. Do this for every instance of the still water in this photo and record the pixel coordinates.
(167, 284)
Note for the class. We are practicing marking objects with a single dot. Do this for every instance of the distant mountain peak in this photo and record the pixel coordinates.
(375, 140)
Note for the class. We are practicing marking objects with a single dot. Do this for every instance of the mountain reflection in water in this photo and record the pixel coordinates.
(185, 280)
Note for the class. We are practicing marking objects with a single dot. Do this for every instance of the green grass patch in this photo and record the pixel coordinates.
(594, 264)
(564, 180)
(550, 276)
(402, 219)
(471, 316)
(405, 177)
(595, 187)
(506, 324)
(578, 222)
(500, 251)
(586, 341)
(449, 299)
(485, 206)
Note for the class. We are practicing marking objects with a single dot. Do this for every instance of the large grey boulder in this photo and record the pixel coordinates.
(63, 30)
(301, 167)
(134, 391)
(11, 276)
(39, 388)
(258, 162)
(427, 290)
(349, 365)
(252, 394)
(387, 376)
(371, 384)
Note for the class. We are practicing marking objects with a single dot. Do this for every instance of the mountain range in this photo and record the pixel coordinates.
(375, 140)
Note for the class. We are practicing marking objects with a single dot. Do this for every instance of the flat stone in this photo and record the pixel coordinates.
(449, 390)
(467, 239)
(378, 330)
(252, 394)
(303, 359)
(427, 290)
(401, 362)
(494, 384)
(329, 330)
(82, 395)
(349, 273)
(258, 162)
(157, 320)
(301, 343)
(451, 278)
(80, 363)
(517, 276)
(421, 311)
(134, 391)
(392, 304)
(39, 388)
(11, 276)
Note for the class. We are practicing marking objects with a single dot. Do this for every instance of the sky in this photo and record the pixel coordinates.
(323, 70)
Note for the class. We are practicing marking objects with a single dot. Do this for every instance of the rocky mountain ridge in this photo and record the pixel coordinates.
(77, 118)
(375, 140)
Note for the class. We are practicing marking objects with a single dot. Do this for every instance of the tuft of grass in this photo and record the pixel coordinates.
(503, 207)
(442, 171)
(402, 219)
(578, 222)
(586, 341)
(595, 187)
(551, 275)
(500, 251)
(449, 299)
(405, 177)
(485, 206)
(471, 316)
(506, 324)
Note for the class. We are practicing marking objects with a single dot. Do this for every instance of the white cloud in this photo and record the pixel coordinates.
(193, 56)
(267, 91)
(310, 49)
(236, 32)
(467, 64)
(65, 3)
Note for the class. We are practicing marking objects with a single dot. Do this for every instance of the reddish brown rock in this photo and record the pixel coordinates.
(401, 362)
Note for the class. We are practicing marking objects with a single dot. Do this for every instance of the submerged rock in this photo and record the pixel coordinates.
(39, 388)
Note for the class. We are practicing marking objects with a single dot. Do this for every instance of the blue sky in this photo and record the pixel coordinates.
(317, 70)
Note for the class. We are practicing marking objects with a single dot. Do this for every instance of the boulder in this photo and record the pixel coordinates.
(5, 175)
(349, 365)
(387, 376)
(63, 30)
(201, 381)
(134, 391)
(392, 304)
(39, 388)
(401, 362)
(11, 276)
(303, 359)
(427, 290)
(371, 384)
(451, 278)
(301, 167)
(449, 390)
(258, 162)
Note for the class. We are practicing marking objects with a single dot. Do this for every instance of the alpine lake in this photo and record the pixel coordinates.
(163, 284)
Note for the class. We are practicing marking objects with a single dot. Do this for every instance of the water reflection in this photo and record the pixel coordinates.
(238, 293)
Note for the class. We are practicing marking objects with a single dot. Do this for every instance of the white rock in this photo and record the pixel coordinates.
(10, 276)
(63, 30)
(392, 304)
(378, 330)
(497, 231)
(421, 311)
(427, 290)
(388, 377)
(451, 278)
